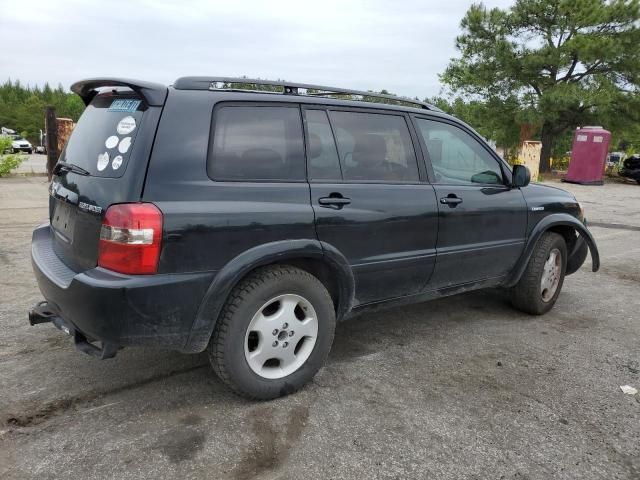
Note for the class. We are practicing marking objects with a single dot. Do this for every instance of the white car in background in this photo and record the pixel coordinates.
(19, 144)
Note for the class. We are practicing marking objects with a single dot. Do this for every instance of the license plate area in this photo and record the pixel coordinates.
(63, 220)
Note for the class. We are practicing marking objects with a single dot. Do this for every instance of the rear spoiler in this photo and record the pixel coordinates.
(153, 93)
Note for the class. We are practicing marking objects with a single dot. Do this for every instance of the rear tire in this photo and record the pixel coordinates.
(274, 333)
(541, 282)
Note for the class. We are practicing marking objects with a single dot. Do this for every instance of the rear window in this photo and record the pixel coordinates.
(257, 143)
(102, 141)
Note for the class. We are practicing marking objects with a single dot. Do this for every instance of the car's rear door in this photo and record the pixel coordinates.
(482, 220)
(371, 199)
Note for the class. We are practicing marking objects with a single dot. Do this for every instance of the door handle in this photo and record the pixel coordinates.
(452, 200)
(336, 202)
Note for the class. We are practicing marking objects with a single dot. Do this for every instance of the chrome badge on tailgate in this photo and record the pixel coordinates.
(87, 207)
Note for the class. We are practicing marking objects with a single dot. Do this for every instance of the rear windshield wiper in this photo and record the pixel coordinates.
(69, 167)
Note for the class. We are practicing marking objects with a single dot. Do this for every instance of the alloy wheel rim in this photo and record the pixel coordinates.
(551, 275)
(281, 336)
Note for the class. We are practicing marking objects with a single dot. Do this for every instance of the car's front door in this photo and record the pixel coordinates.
(482, 221)
(370, 199)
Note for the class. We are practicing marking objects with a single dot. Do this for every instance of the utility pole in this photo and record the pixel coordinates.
(52, 140)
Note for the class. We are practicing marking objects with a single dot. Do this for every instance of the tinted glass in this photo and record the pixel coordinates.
(374, 147)
(457, 157)
(322, 155)
(257, 143)
(102, 141)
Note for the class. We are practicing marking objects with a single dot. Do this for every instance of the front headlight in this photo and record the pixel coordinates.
(581, 210)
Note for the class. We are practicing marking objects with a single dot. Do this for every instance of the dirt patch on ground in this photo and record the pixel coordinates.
(271, 448)
(36, 414)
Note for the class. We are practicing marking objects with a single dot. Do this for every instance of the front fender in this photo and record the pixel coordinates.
(258, 256)
(553, 220)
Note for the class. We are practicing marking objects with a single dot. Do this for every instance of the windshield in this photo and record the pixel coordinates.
(102, 141)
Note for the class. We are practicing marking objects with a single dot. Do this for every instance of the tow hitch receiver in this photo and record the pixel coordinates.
(43, 313)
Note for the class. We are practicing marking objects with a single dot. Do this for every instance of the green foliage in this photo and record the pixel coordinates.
(10, 161)
(493, 119)
(559, 64)
(22, 108)
(626, 138)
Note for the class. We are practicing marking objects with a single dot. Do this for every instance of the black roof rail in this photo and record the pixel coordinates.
(288, 88)
(153, 93)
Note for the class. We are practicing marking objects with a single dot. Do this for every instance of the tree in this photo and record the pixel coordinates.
(494, 120)
(22, 108)
(565, 63)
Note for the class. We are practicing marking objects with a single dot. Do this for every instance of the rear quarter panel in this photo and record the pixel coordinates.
(207, 223)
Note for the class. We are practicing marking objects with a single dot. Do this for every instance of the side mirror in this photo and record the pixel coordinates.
(521, 176)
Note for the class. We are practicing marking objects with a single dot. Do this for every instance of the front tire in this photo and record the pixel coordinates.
(541, 282)
(274, 333)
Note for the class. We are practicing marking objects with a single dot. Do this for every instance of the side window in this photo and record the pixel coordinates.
(257, 143)
(322, 156)
(457, 157)
(374, 147)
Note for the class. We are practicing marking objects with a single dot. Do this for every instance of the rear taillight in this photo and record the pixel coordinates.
(130, 238)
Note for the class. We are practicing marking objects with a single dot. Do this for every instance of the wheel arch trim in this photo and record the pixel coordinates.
(543, 226)
(269, 253)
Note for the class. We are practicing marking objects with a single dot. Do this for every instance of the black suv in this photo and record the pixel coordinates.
(247, 221)
(631, 168)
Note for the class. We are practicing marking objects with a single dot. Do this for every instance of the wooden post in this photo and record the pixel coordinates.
(65, 128)
(52, 140)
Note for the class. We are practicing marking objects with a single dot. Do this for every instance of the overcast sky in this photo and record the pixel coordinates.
(400, 45)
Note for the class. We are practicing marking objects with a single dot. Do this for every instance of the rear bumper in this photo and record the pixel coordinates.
(117, 310)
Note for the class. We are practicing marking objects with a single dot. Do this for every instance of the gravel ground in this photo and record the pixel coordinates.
(463, 387)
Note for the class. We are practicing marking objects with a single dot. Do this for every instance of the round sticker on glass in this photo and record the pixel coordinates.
(125, 143)
(111, 142)
(103, 161)
(126, 125)
(116, 162)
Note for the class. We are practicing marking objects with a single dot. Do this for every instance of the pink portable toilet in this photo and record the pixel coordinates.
(588, 156)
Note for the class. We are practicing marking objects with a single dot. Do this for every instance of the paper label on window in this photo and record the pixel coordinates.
(581, 138)
(111, 142)
(124, 105)
(116, 162)
(124, 145)
(103, 161)
(126, 125)
(598, 139)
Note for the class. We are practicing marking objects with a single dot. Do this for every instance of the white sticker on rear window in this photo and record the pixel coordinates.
(124, 145)
(598, 139)
(581, 138)
(123, 105)
(103, 161)
(126, 125)
(111, 142)
(116, 162)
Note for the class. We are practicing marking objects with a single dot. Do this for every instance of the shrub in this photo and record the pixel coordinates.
(8, 161)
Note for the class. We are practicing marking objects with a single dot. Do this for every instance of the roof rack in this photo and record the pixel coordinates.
(256, 85)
